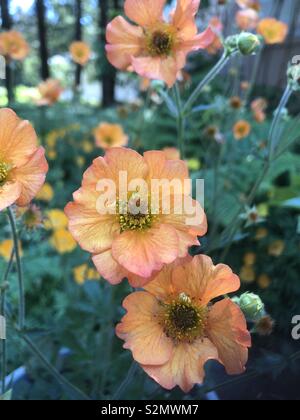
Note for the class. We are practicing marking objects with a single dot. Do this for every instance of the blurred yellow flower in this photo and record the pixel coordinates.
(80, 161)
(276, 248)
(272, 30)
(63, 241)
(46, 193)
(261, 233)
(56, 220)
(80, 52)
(6, 248)
(84, 272)
(247, 274)
(51, 154)
(194, 164)
(13, 45)
(87, 146)
(110, 135)
(249, 259)
(264, 281)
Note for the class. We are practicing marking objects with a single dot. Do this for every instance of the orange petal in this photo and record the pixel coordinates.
(110, 269)
(141, 331)
(31, 176)
(165, 69)
(186, 366)
(227, 329)
(125, 41)
(200, 279)
(18, 139)
(162, 168)
(144, 12)
(9, 193)
(199, 42)
(94, 232)
(183, 18)
(142, 253)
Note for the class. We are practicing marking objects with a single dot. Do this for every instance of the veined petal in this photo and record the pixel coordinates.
(142, 253)
(144, 12)
(165, 69)
(186, 366)
(227, 329)
(142, 332)
(183, 18)
(9, 193)
(124, 41)
(199, 42)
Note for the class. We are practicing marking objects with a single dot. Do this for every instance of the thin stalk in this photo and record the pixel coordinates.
(2, 312)
(180, 122)
(51, 369)
(209, 77)
(19, 269)
(127, 381)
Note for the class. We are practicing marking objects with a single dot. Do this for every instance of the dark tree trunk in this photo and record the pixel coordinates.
(108, 72)
(78, 37)
(7, 25)
(42, 30)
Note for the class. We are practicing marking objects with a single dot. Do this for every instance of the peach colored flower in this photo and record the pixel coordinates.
(272, 30)
(241, 130)
(258, 107)
(80, 52)
(50, 91)
(110, 135)
(13, 45)
(126, 244)
(252, 4)
(157, 49)
(23, 166)
(171, 153)
(172, 329)
(247, 19)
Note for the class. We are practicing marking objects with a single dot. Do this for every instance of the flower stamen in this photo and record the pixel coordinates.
(4, 170)
(160, 43)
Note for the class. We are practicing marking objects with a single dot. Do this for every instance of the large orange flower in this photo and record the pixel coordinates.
(272, 30)
(133, 244)
(50, 91)
(80, 52)
(23, 166)
(13, 45)
(172, 328)
(157, 49)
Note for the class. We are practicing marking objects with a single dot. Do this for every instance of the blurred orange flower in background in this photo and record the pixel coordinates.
(247, 19)
(50, 91)
(13, 45)
(156, 49)
(80, 52)
(241, 129)
(23, 166)
(252, 4)
(258, 107)
(172, 329)
(272, 30)
(110, 135)
(126, 244)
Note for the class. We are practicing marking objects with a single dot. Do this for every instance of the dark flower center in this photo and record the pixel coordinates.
(3, 172)
(160, 43)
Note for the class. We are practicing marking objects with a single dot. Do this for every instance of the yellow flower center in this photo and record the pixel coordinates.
(135, 214)
(160, 42)
(183, 320)
(4, 170)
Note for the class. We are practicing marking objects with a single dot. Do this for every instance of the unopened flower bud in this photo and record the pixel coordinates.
(248, 43)
(252, 306)
(230, 44)
(293, 75)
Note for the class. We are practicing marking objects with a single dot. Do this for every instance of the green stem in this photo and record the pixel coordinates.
(19, 269)
(180, 121)
(127, 381)
(209, 77)
(51, 369)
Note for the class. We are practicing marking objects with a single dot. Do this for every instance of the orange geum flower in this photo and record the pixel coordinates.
(141, 231)
(80, 52)
(156, 48)
(23, 166)
(172, 328)
(50, 91)
(241, 130)
(272, 30)
(110, 135)
(13, 45)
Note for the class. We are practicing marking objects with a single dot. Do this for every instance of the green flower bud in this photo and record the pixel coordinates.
(230, 44)
(248, 43)
(293, 74)
(252, 306)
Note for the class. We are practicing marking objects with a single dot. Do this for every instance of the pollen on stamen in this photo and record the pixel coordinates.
(3, 172)
(160, 43)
